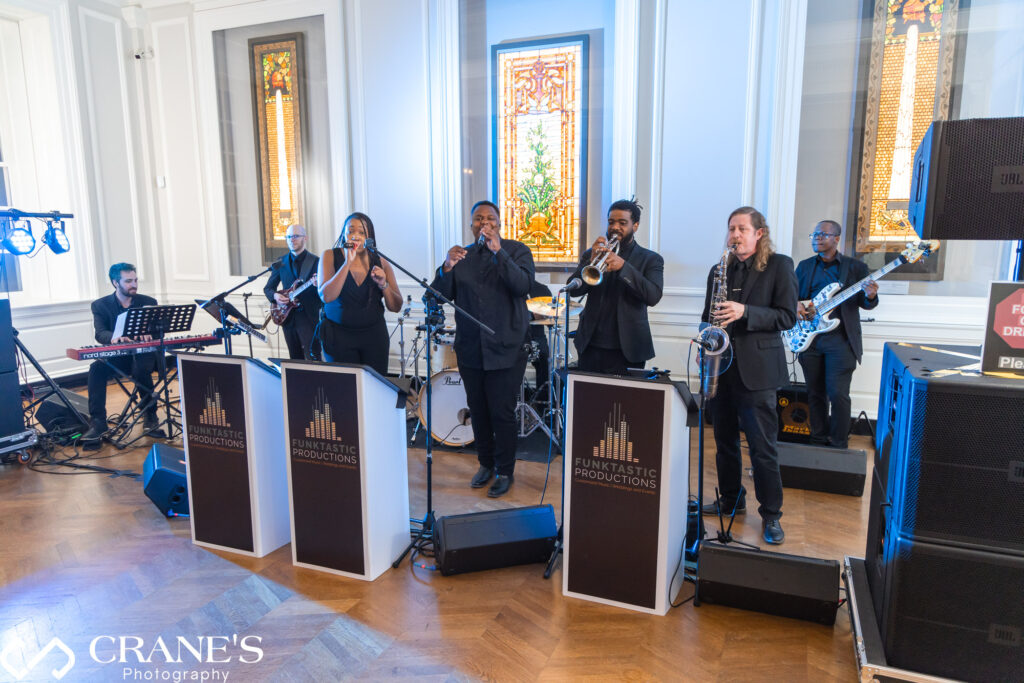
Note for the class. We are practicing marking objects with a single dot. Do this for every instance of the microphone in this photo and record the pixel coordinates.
(714, 340)
(481, 239)
(572, 285)
(370, 244)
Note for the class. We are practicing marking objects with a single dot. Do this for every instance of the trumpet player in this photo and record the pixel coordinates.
(761, 303)
(621, 280)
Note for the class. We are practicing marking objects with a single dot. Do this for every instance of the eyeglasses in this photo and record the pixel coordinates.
(293, 237)
(819, 234)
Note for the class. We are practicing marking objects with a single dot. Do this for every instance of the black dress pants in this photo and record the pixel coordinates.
(605, 361)
(139, 367)
(492, 395)
(298, 335)
(734, 408)
(828, 369)
(369, 346)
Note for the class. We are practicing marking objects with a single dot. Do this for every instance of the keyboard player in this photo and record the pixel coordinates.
(139, 366)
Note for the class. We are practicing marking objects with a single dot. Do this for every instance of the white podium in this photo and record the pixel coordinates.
(348, 479)
(626, 477)
(234, 453)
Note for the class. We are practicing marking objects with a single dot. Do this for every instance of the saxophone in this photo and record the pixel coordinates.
(713, 338)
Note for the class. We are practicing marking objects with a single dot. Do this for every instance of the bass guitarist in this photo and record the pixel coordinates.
(295, 268)
(830, 360)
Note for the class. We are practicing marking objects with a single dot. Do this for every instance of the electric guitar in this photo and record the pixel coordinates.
(280, 312)
(800, 336)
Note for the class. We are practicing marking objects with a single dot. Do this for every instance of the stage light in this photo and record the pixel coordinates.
(18, 240)
(55, 238)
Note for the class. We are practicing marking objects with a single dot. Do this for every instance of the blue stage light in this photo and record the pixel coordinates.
(55, 238)
(18, 240)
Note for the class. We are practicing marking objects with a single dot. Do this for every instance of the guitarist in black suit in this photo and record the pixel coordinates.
(761, 303)
(614, 333)
(830, 360)
(298, 265)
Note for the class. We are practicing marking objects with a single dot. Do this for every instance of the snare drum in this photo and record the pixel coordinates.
(450, 421)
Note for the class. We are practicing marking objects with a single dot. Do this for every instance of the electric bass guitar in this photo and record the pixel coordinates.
(280, 312)
(799, 337)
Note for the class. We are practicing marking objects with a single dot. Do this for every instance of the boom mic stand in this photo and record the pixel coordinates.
(431, 320)
(225, 309)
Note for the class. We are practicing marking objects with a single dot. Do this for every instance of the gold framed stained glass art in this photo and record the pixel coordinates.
(910, 78)
(277, 69)
(539, 115)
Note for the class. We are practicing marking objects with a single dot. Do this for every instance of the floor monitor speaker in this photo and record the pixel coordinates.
(163, 479)
(497, 538)
(817, 468)
(53, 415)
(774, 583)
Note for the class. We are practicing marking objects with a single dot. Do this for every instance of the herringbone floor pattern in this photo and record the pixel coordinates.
(89, 555)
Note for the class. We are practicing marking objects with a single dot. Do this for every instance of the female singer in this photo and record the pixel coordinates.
(355, 285)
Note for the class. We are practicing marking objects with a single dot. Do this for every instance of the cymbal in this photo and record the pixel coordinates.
(546, 322)
(544, 305)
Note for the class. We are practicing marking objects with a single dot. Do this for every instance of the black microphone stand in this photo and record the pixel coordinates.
(557, 549)
(225, 331)
(431, 320)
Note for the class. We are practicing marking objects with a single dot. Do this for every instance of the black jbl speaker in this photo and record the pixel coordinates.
(968, 180)
(955, 469)
(163, 479)
(53, 415)
(12, 419)
(816, 468)
(953, 612)
(8, 356)
(497, 538)
(774, 583)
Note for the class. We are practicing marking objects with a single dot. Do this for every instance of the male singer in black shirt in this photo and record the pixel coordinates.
(614, 333)
(491, 280)
(830, 360)
(298, 265)
(761, 304)
(138, 366)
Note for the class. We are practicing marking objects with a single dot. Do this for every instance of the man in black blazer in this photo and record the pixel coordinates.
(830, 360)
(614, 333)
(761, 303)
(298, 265)
(491, 280)
(139, 367)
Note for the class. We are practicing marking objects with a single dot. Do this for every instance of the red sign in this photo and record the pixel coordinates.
(1009, 319)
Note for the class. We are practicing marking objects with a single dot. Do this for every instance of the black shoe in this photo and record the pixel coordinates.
(727, 507)
(151, 426)
(500, 487)
(482, 476)
(97, 429)
(772, 531)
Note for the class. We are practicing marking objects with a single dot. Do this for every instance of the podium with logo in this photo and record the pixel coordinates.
(626, 488)
(348, 479)
(234, 453)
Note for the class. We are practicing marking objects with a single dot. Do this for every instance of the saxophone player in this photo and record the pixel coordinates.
(761, 302)
(614, 333)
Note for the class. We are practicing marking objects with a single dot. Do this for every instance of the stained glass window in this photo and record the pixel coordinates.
(908, 86)
(540, 123)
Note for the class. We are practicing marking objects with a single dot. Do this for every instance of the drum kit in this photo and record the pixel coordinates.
(451, 420)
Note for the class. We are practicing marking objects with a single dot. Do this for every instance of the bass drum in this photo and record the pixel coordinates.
(450, 420)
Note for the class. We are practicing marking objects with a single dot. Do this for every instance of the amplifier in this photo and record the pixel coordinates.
(493, 539)
(794, 414)
(774, 583)
(816, 468)
(53, 415)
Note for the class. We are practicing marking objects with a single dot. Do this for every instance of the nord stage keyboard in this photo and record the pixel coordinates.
(132, 348)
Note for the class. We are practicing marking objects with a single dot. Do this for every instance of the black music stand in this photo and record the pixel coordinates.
(154, 321)
(222, 309)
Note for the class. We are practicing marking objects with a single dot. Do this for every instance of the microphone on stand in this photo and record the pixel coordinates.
(572, 285)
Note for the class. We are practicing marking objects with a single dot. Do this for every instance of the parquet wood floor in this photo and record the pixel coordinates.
(89, 555)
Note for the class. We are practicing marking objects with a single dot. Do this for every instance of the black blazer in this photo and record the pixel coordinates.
(642, 277)
(850, 271)
(106, 309)
(770, 300)
(493, 289)
(285, 275)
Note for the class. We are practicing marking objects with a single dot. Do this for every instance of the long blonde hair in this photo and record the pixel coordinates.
(764, 248)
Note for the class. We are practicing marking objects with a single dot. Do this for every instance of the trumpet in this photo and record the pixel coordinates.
(594, 273)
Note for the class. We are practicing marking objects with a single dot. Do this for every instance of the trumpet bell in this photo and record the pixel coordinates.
(592, 275)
